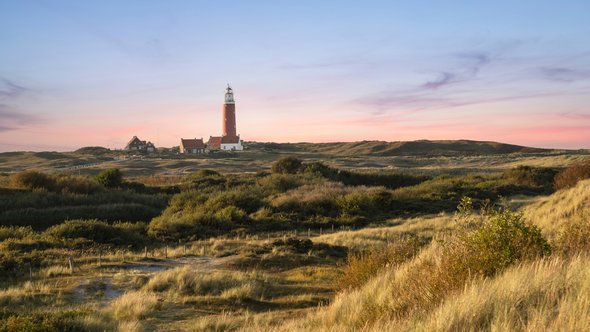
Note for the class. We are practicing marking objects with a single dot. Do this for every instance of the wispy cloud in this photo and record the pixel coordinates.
(9, 89)
(12, 117)
(563, 74)
(444, 79)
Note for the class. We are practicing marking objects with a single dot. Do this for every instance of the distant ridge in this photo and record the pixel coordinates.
(409, 148)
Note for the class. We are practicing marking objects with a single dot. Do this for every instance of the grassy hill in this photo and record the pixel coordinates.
(410, 148)
(415, 156)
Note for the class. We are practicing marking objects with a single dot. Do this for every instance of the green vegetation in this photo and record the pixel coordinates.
(295, 243)
(41, 200)
(110, 178)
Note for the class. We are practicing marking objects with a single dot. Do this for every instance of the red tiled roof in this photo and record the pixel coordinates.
(214, 142)
(192, 143)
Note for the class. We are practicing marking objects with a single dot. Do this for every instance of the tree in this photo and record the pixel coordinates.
(287, 165)
(110, 178)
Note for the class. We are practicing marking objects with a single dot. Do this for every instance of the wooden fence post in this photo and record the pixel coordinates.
(71, 264)
(145, 252)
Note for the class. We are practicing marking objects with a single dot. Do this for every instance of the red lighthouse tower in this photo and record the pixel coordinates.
(229, 140)
(229, 117)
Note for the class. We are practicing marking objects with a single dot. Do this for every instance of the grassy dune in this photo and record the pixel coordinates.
(546, 294)
(318, 248)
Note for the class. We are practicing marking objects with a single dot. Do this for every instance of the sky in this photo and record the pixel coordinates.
(95, 73)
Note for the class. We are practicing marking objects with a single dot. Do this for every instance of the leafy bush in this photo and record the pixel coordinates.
(110, 178)
(568, 177)
(350, 178)
(531, 176)
(60, 183)
(287, 165)
(100, 232)
(503, 239)
(204, 179)
(278, 183)
(33, 180)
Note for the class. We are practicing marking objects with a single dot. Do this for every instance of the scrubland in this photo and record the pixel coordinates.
(301, 246)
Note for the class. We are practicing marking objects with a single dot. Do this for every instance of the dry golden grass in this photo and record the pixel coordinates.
(186, 281)
(554, 212)
(55, 270)
(547, 295)
(24, 293)
(134, 306)
(379, 236)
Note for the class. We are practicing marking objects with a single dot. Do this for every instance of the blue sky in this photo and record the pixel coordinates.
(77, 73)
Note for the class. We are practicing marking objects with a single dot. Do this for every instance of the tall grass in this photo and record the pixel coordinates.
(185, 281)
(553, 213)
(547, 295)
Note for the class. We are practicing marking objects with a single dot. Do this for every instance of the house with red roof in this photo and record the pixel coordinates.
(192, 146)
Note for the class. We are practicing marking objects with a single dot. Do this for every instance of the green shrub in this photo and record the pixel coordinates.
(278, 183)
(66, 183)
(287, 165)
(110, 178)
(202, 173)
(503, 239)
(231, 214)
(531, 176)
(568, 177)
(204, 180)
(99, 232)
(33, 180)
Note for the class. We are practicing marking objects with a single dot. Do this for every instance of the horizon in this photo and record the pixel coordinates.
(97, 74)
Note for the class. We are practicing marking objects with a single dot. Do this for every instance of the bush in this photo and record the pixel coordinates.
(100, 232)
(568, 177)
(60, 183)
(110, 178)
(503, 239)
(278, 183)
(33, 180)
(287, 165)
(531, 176)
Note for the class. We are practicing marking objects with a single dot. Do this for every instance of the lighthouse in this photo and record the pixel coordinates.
(229, 139)
(229, 114)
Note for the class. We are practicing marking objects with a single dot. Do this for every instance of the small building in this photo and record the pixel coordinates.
(231, 143)
(135, 144)
(214, 143)
(192, 146)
